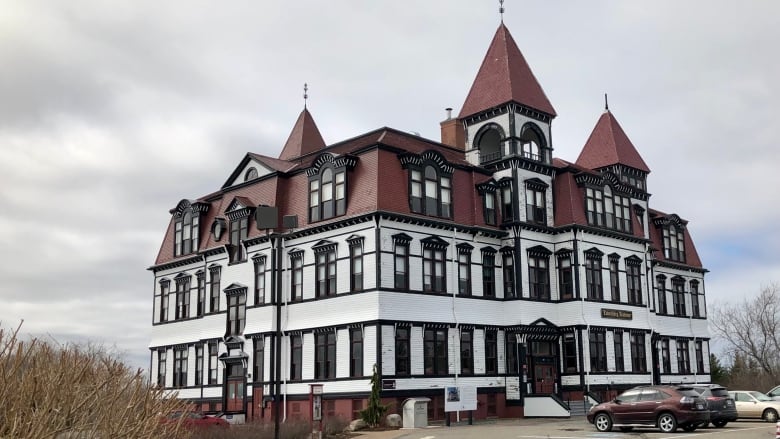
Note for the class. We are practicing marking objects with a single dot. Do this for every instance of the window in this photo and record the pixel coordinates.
(466, 352)
(464, 271)
(257, 359)
(699, 357)
(614, 279)
(569, 353)
(236, 316)
(618, 342)
(489, 143)
(296, 277)
(531, 143)
(401, 262)
(593, 276)
(186, 233)
(161, 359)
(634, 281)
(356, 265)
(402, 358)
(489, 199)
(565, 280)
(435, 351)
(538, 276)
(180, 368)
(356, 352)
(164, 292)
(325, 355)
(594, 206)
(430, 192)
(239, 231)
(695, 306)
(674, 243)
(213, 363)
(326, 271)
(198, 365)
(507, 212)
(250, 174)
(201, 279)
(296, 357)
(488, 274)
(182, 297)
(433, 270)
(683, 357)
(622, 213)
(666, 359)
(678, 296)
(638, 357)
(535, 203)
(327, 194)
(259, 280)
(491, 352)
(214, 286)
(511, 348)
(509, 274)
(598, 351)
(660, 282)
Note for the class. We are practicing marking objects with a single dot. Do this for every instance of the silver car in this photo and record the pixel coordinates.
(756, 405)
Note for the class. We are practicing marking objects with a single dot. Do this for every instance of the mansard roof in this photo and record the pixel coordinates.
(304, 138)
(608, 145)
(503, 77)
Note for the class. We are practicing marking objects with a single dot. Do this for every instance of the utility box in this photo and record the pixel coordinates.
(416, 412)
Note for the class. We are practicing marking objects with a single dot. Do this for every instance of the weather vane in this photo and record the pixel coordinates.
(305, 93)
(501, 9)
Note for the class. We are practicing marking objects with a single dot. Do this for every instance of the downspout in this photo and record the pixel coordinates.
(276, 347)
(286, 322)
(454, 270)
(377, 270)
(584, 375)
(651, 299)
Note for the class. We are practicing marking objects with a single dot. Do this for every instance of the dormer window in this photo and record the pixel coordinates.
(674, 242)
(431, 192)
(238, 213)
(327, 194)
(607, 209)
(186, 216)
(535, 201)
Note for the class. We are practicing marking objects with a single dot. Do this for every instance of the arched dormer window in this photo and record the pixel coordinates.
(532, 145)
(430, 183)
(328, 186)
(488, 141)
(187, 226)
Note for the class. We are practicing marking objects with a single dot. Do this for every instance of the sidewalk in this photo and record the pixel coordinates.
(439, 426)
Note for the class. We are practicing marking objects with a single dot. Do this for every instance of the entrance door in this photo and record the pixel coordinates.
(235, 394)
(544, 378)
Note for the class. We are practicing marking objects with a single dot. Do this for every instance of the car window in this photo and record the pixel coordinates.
(689, 392)
(774, 392)
(760, 396)
(651, 395)
(720, 391)
(629, 396)
(743, 397)
(701, 390)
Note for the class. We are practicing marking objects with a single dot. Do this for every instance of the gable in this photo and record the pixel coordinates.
(245, 170)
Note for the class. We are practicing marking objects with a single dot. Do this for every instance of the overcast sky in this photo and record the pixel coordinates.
(112, 112)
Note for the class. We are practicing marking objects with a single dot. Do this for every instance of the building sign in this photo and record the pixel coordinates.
(616, 314)
(460, 398)
(388, 384)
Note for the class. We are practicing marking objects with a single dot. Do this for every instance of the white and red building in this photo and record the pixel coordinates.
(479, 260)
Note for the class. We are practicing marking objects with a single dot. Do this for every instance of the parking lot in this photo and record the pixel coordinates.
(574, 429)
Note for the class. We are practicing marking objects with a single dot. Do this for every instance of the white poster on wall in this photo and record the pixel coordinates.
(460, 398)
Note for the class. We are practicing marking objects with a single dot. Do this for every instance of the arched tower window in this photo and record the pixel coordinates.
(489, 144)
(532, 143)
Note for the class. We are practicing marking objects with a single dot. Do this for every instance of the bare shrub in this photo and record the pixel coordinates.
(334, 425)
(258, 430)
(66, 391)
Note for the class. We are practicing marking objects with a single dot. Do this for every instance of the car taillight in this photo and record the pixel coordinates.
(687, 400)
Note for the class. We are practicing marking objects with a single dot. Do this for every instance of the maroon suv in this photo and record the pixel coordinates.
(664, 407)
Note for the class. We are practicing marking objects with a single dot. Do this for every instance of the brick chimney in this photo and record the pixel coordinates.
(452, 132)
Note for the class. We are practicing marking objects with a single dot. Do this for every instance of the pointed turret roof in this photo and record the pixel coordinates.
(503, 77)
(304, 138)
(607, 145)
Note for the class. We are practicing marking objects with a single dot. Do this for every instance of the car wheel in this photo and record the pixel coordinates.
(667, 423)
(626, 429)
(690, 427)
(603, 422)
(720, 424)
(770, 415)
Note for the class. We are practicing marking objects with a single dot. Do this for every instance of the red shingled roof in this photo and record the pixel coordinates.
(607, 145)
(304, 138)
(503, 77)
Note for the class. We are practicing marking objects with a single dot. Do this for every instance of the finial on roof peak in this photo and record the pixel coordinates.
(305, 94)
(501, 9)
(606, 103)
